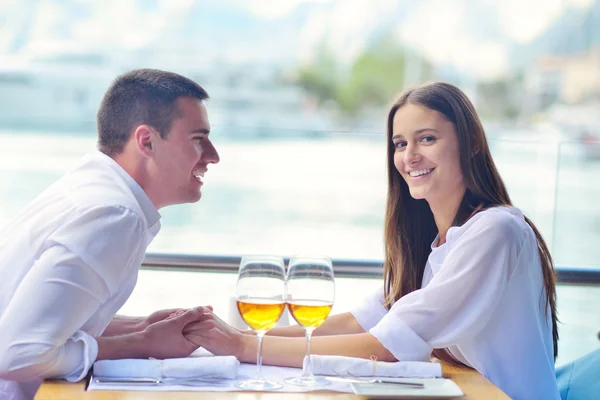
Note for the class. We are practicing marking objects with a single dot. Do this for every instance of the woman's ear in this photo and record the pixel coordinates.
(476, 150)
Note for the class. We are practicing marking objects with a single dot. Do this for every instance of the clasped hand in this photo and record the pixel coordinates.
(217, 336)
(163, 335)
(161, 315)
(175, 333)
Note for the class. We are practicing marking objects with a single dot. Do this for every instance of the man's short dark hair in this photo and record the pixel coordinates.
(141, 96)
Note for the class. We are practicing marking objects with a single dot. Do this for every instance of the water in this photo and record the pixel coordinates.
(327, 196)
(320, 196)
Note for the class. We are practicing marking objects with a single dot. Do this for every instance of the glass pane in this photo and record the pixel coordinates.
(527, 162)
(287, 194)
(577, 227)
(293, 192)
(579, 321)
(577, 305)
(298, 116)
(31, 160)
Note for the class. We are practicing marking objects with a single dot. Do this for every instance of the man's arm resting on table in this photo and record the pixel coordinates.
(122, 346)
(162, 339)
(122, 325)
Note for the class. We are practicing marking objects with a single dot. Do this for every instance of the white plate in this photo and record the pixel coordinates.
(434, 388)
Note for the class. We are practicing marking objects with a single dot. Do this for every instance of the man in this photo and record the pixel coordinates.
(70, 259)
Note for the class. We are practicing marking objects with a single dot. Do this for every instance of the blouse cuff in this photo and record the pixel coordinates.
(90, 352)
(398, 338)
(369, 312)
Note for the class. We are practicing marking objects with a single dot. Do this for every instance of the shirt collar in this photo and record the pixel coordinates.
(437, 255)
(150, 212)
(439, 252)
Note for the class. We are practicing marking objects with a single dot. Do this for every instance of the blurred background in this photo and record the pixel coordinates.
(299, 94)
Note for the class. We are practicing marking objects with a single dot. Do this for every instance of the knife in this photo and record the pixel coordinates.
(159, 381)
(416, 385)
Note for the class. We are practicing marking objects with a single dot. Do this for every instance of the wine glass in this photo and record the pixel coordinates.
(310, 291)
(260, 300)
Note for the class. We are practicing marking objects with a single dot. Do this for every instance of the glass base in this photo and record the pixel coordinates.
(311, 381)
(259, 384)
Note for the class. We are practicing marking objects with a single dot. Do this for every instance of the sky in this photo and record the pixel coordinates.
(441, 29)
(523, 19)
(446, 37)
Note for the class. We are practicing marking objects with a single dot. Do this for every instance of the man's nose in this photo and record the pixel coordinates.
(211, 156)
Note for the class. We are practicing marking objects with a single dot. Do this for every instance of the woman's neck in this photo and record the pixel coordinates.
(444, 213)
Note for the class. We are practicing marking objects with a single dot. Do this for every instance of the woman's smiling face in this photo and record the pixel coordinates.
(426, 153)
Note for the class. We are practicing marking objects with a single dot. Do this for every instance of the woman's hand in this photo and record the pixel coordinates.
(218, 337)
(161, 315)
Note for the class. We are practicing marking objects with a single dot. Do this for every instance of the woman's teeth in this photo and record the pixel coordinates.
(420, 172)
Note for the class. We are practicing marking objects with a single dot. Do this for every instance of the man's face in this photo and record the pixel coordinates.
(181, 160)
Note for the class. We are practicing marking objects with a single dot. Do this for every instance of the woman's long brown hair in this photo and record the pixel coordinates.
(409, 225)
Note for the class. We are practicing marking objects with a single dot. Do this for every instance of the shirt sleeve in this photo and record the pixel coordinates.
(41, 331)
(461, 297)
(371, 310)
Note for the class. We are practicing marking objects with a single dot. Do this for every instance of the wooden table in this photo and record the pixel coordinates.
(473, 384)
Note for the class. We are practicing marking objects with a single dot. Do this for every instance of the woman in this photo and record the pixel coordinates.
(467, 276)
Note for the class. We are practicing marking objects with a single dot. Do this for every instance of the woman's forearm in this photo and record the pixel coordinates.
(287, 331)
(339, 324)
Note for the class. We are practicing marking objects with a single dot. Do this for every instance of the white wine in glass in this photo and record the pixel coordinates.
(310, 291)
(261, 315)
(260, 295)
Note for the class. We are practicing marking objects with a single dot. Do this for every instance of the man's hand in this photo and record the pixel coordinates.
(165, 338)
(162, 339)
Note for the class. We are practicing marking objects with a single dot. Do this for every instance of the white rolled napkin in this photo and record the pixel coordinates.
(348, 366)
(223, 367)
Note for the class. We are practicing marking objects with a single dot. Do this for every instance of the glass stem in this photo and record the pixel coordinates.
(259, 337)
(307, 373)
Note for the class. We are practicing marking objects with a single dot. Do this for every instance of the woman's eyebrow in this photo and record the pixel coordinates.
(400, 136)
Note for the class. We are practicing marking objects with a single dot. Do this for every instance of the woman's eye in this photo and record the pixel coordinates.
(427, 139)
(399, 145)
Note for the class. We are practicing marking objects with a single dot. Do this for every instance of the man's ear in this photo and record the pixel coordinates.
(144, 138)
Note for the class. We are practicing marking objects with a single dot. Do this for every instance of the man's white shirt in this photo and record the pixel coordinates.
(68, 262)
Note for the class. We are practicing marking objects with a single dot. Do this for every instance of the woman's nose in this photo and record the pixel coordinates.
(411, 155)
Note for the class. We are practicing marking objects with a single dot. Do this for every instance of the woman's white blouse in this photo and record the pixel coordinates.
(483, 298)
